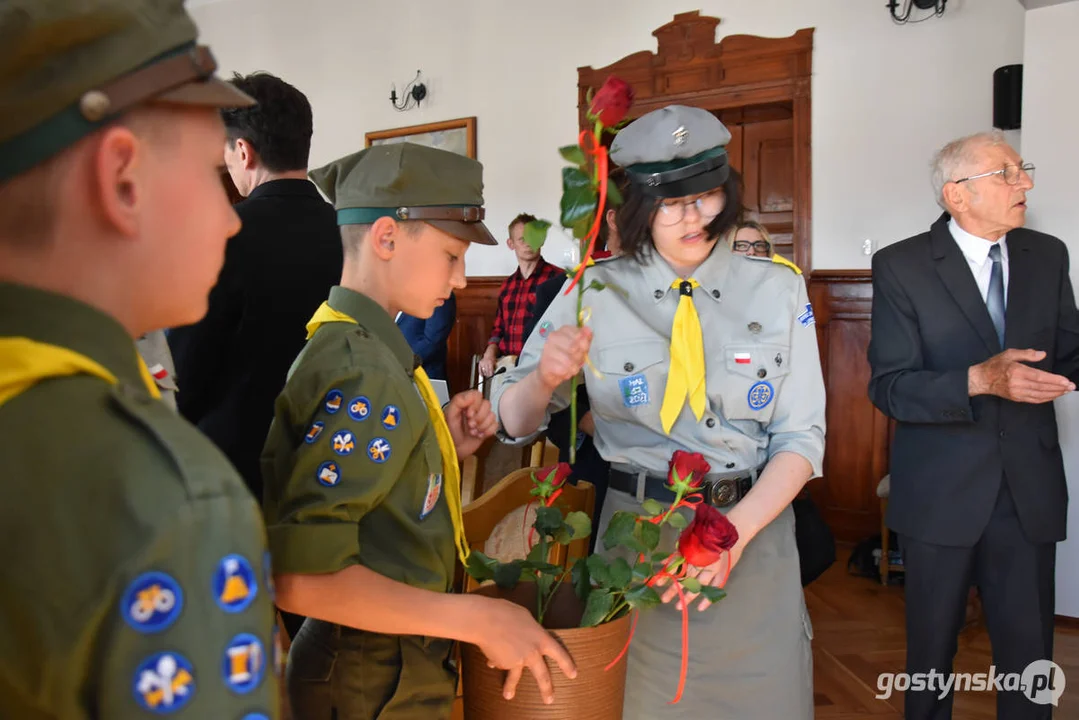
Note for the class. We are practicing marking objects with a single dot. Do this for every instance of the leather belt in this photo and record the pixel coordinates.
(719, 490)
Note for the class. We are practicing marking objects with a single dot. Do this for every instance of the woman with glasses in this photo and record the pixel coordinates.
(705, 351)
(750, 238)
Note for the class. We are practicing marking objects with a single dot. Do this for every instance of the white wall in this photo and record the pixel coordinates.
(884, 96)
(1050, 109)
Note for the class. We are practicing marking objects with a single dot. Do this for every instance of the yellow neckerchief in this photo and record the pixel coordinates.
(686, 375)
(25, 362)
(450, 470)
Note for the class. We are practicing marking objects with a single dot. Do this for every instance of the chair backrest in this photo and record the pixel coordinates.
(509, 509)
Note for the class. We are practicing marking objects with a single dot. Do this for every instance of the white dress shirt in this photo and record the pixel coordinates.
(976, 251)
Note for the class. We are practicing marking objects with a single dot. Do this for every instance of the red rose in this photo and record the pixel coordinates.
(612, 102)
(708, 535)
(690, 467)
(558, 474)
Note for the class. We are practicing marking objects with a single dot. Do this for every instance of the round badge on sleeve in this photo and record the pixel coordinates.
(760, 395)
(235, 585)
(334, 399)
(256, 716)
(329, 474)
(164, 683)
(545, 328)
(391, 417)
(379, 450)
(314, 432)
(152, 602)
(244, 663)
(344, 442)
(359, 408)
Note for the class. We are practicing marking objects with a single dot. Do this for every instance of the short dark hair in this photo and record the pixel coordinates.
(279, 127)
(523, 218)
(634, 218)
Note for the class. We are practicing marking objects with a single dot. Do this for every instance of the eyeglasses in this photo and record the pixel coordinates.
(760, 246)
(708, 206)
(1010, 173)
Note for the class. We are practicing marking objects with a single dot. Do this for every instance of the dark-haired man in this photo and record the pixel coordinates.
(278, 269)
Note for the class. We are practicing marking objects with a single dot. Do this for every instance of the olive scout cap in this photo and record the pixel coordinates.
(674, 151)
(70, 67)
(406, 181)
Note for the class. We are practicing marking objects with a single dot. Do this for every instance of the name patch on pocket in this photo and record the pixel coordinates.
(634, 390)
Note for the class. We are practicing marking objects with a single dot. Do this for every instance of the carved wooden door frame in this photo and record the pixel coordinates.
(691, 68)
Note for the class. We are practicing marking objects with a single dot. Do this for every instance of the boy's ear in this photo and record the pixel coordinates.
(383, 236)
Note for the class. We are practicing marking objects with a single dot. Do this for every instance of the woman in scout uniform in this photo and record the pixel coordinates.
(707, 352)
(133, 568)
(361, 469)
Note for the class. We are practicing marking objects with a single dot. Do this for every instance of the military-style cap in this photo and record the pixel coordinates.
(674, 151)
(406, 181)
(69, 67)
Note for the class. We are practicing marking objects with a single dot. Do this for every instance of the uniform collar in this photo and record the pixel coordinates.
(54, 319)
(374, 318)
(659, 276)
(286, 186)
(974, 248)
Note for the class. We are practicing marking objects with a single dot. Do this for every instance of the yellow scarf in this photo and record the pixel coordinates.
(450, 470)
(686, 375)
(25, 362)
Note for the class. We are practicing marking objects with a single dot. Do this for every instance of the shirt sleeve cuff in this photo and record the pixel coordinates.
(313, 549)
(808, 445)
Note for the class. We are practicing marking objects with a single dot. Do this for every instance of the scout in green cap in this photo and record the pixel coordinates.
(134, 574)
(362, 483)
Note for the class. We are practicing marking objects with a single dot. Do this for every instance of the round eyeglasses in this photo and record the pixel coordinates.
(1011, 173)
(708, 206)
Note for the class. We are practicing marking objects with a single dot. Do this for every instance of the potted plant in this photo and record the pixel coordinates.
(591, 602)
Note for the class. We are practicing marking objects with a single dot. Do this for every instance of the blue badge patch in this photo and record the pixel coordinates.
(806, 318)
(329, 474)
(164, 683)
(359, 409)
(334, 399)
(267, 575)
(152, 602)
(314, 432)
(391, 417)
(760, 395)
(634, 390)
(343, 442)
(256, 716)
(379, 450)
(434, 492)
(244, 663)
(545, 328)
(235, 584)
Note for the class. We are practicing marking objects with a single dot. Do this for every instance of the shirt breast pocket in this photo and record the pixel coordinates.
(752, 378)
(634, 377)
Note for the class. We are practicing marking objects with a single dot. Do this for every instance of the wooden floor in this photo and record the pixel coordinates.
(859, 633)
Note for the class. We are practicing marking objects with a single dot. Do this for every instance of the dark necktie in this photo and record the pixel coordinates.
(995, 301)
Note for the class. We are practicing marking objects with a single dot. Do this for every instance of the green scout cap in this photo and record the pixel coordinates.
(69, 67)
(406, 181)
(674, 151)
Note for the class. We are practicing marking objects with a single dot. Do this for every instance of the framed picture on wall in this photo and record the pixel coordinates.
(457, 136)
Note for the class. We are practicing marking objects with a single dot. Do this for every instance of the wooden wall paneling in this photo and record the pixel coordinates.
(476, 305)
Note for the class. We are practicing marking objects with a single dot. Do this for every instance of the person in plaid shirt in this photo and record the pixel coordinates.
(517, 298)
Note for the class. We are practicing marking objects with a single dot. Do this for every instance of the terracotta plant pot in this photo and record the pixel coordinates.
(595, 694)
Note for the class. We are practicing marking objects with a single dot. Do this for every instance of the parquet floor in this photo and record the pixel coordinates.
(859, 632)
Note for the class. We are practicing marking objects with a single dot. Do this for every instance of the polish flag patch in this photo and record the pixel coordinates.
(742, 358)
(159, 372)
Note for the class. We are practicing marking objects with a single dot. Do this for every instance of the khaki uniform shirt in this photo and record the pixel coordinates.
(134, 575)
(352, 468)
(765, 389)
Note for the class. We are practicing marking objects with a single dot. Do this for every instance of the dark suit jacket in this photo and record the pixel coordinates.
(427, 338)
(232, 364)
(951, 451)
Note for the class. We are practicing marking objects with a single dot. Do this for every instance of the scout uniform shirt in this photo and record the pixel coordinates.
(134, 577)
(352, 466)
(765, 390)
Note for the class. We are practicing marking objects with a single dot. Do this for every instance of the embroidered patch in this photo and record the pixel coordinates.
(334, 398)
(152, 602)
(243, 664)
(256, 716)
(235, 585)
(164, 683)
(359, 409)
(760, 395)
(743, 358)
(545, 328)
(634, 390)
(806, 318)
(314, 432)
(391, 416)
(434, 492)
(343, 442)
(328, 474)
(379, 450)
(158, 372)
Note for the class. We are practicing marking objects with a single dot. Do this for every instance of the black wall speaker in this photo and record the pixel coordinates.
(1008, 97)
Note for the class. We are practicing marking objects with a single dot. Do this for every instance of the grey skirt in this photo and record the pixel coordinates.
(750, 654)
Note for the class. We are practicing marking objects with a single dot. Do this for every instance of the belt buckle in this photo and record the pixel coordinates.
(723, 492)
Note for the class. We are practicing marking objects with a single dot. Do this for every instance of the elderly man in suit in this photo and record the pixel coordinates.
(975, 333)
